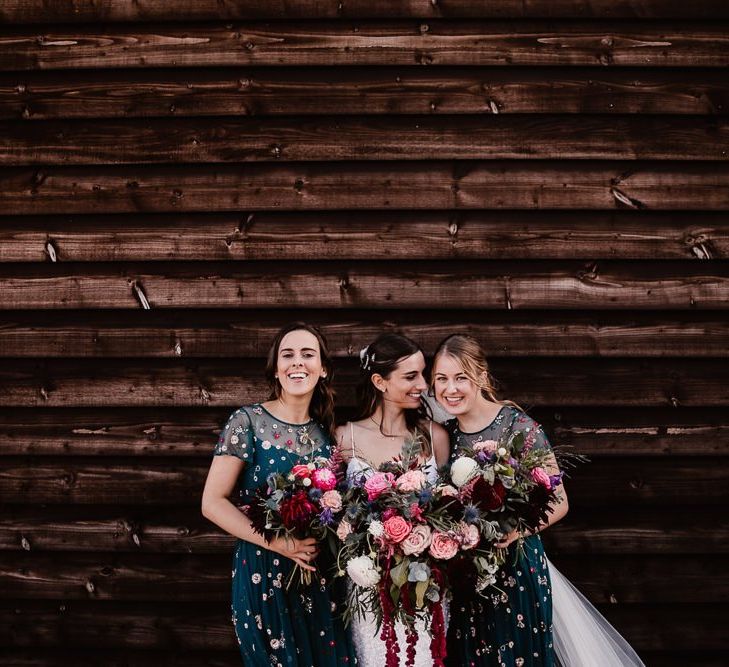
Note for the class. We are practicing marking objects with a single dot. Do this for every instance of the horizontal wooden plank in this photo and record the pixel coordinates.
(186, 432)
(229, 383)
(619, 482)
(70, 657)
(211, 334)
(659, 44)
(197, 626)
(179, 626)
(317, 91)
(144, 529)
(367, 185)
(27, 11)
(332, 235)
(146, 577)
(495, 285)
(496, 137)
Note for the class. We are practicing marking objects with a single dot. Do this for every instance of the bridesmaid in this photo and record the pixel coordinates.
(276, 627)
(513, 627)
(391, 408)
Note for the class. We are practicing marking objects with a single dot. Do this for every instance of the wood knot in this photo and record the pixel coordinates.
(51, 250)
(276, 151)
(424, 28)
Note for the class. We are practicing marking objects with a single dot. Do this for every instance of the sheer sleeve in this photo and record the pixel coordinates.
(534, 435)
(236, 437)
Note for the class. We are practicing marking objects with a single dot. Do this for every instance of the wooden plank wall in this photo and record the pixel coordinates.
(179, 179)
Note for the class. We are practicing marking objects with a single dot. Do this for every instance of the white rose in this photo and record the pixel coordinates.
(306, 481)
(463, 470)
(376, 529)
(362, 572)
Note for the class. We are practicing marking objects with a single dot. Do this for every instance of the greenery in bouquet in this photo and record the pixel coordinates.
(302, 503)
(503, 487)
(396, 535)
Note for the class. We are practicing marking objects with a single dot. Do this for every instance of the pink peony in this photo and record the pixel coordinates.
(417, 542)
(397, 529)
(540, 476)
(332, 499)
(443, 546)
(412, 480)
(324, 479)
(378, 483)
(301, 471)
(488, 446)
(468, 535)
(344, 529)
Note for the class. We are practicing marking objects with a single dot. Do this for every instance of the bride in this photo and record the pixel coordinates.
(390, 410)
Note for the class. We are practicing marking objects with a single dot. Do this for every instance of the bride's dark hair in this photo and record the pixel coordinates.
(382, 356)
(321, 408)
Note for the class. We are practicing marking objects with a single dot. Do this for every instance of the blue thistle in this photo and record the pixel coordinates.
(471, 514)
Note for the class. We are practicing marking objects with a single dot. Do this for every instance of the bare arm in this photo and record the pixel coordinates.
(216, 507)
(441, 445)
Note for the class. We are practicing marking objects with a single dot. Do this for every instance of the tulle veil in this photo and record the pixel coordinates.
(582, 635)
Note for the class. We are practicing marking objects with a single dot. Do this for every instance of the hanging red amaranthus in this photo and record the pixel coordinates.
(437, 623)
(388, 634)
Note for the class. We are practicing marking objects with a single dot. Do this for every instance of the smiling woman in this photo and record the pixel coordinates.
(275, 625)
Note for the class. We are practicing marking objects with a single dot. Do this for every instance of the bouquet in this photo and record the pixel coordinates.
(396, 535)
(503, 487)
(301, 503)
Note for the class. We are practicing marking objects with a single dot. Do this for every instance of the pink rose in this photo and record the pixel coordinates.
(540, 476)
(448, 491)
(332, 500)
(412, 480)
(488, 446)
(443, 546)
(301, 471)
(397, 529)
(324, 479)
(417, 542)
(468, 535)
(378, 483)
(344, 529)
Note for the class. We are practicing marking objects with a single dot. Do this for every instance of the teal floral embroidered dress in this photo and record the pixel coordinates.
(275, 627)
(512, 626)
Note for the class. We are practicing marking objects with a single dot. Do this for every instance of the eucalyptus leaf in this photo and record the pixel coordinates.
(420, 589)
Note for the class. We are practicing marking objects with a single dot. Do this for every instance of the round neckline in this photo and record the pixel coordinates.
(489, 425)
(273, 416)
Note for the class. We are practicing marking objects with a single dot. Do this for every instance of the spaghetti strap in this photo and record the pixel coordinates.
(351, 438)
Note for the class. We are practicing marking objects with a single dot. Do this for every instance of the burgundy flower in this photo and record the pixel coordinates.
(297, 511)
(487, 496)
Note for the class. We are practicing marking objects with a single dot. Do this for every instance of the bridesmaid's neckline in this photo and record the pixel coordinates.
(489, 425)
(283, 421)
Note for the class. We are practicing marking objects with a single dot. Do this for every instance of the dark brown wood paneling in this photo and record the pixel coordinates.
(401, 90)
(27, 11)
(365, 235)
(373, 138)
(230, 383)
(366, 43)
(493, 285)
(415, 185)
(224, 334)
